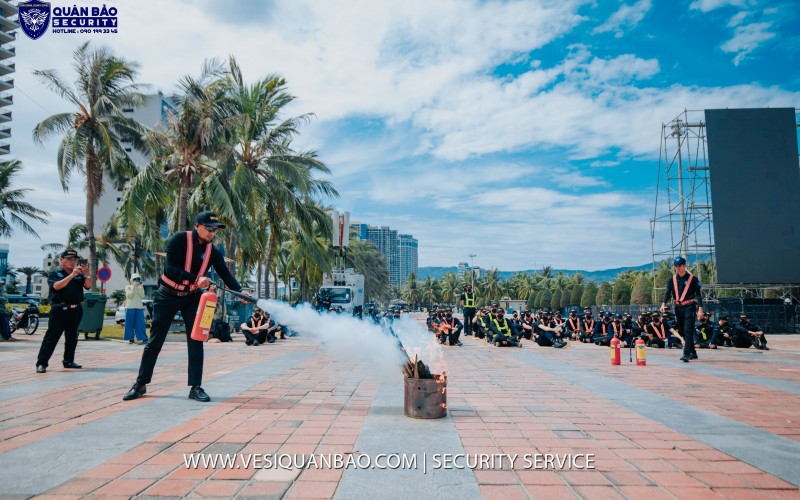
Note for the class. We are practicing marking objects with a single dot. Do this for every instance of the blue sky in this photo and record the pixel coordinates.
(524, 132)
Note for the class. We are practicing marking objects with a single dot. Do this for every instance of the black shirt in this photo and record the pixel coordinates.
(176, 259)
(693, 293)
(71, 294)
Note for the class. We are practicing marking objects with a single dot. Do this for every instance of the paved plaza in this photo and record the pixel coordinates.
(725, 427)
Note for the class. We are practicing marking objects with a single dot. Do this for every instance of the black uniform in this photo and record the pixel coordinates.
(468, 303)
(450, 328)
(743, 335)
(548, 338)
(703, 334)
(588, 324)
(260, 336)
(504, 331)
(686, 303)
(725, 335)
(603, 332)
(573, 327)
(169, 301)
(65, 316)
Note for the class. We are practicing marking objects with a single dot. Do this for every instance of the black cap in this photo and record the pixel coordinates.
(680, 261)
(208, 219)
(723, 316)
(69, 252)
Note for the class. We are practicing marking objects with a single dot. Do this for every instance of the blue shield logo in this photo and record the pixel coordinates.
(34, 18)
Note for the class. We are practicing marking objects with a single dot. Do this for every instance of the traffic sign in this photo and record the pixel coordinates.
(104, 274)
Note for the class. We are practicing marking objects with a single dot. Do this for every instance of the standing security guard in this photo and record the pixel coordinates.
(468, 305)
(66, 294)
(189, 256)
(685, 289)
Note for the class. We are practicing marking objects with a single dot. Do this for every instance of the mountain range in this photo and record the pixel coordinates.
(598, 276)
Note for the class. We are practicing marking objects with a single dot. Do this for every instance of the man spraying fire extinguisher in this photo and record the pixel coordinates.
(189, 256)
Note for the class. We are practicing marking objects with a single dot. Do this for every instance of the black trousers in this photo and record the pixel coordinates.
(510, 339)
(685, 317)
(61, 322)
(452, 336)
(261, 337)
(164, 308)
(469, 315)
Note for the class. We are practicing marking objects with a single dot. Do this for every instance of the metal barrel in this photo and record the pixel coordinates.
(426, 398)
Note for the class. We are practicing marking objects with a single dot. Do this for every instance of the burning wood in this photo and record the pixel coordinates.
(417, 369)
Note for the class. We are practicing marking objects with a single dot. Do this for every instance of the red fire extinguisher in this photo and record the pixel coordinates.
(615, 354)
(640, 353)
(204, 316)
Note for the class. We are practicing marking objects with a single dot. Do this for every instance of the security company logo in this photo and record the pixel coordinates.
(34, 18)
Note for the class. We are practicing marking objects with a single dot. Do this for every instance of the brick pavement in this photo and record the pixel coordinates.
(500, 401)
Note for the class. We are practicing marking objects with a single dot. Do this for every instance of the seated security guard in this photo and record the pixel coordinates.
(450, 329)
(747, 330)
(724, 334)
(505, 334)
(704, 331)
(259, 328)
(547, 332)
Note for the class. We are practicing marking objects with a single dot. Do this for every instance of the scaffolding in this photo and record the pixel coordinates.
(682, 223)
(682, 219)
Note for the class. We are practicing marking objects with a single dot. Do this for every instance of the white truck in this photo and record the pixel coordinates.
(345, 289)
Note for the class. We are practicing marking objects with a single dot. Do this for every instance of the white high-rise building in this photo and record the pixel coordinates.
(409, 259)
(151, 113)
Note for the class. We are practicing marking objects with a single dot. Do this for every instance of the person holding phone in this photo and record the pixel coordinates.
(66, 284)
(134, 310)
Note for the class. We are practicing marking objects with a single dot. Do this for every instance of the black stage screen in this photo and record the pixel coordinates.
(755, 192)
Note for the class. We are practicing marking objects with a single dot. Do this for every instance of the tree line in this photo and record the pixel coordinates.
(543, 289)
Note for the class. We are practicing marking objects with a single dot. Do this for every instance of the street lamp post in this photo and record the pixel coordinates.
(472, 268)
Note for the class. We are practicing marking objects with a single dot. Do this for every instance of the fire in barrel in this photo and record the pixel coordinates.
(425, 392)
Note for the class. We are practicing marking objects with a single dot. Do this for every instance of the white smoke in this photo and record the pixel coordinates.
(352, 340)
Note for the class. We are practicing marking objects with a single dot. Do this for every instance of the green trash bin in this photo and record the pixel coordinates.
(94, 308)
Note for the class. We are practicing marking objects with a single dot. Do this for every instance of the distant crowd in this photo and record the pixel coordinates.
(551, 329)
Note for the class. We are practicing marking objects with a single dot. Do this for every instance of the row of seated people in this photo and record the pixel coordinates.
(552, 330)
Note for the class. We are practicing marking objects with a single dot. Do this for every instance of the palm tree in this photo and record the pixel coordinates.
(92, 135)
(491, 285)
(12, 204)
(188, 150)
(410, 291)
(29, 273)
(429, 291)
(308, 251)
(451, 287)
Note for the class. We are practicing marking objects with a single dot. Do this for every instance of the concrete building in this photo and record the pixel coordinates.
(385, 239)
(152, 113)
(465, 272)
(409, 256)
(8, 27)
(401, 252)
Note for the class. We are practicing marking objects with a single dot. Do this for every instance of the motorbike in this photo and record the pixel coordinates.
(26, 319)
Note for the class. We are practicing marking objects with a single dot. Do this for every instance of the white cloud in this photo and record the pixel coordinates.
(625, 18)
(709, 5)
(423, 72)
(747, 38)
